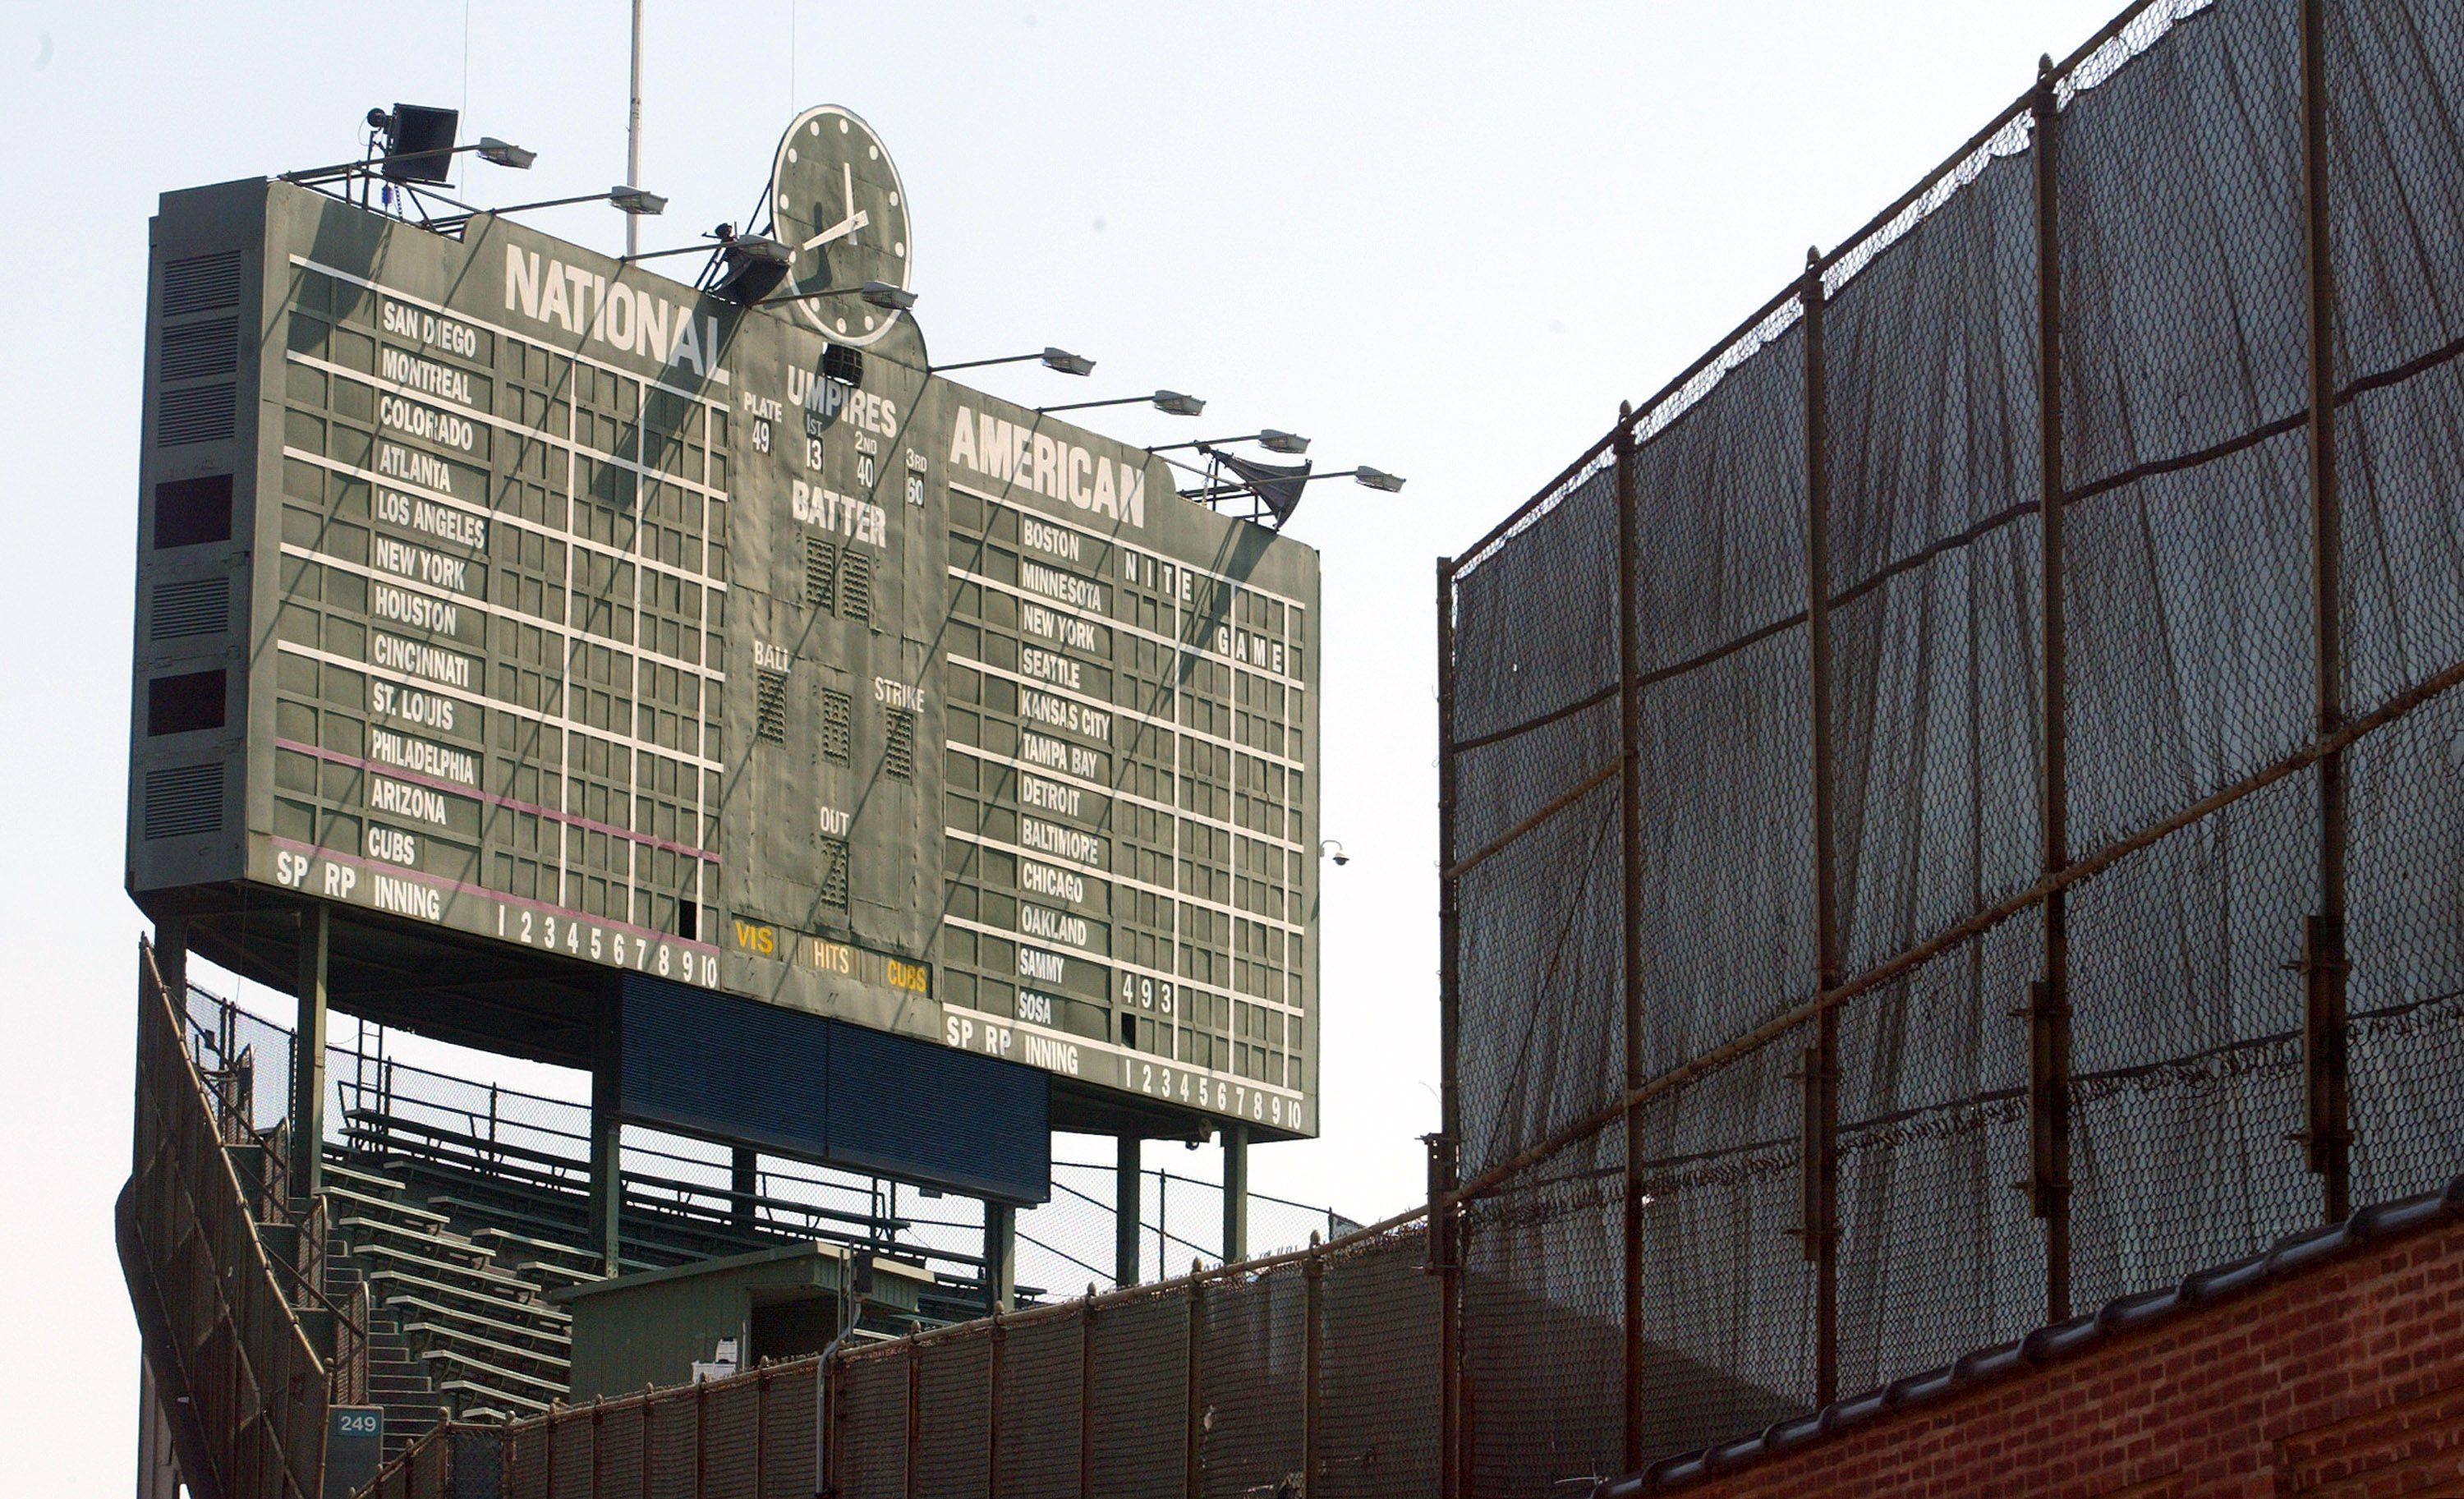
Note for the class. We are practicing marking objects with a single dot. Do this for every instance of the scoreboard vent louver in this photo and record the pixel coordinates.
(821, 572)
(183, 801)
(835, 873)
(198, 607)
(855, 585)
(198, 350)
(838, 726)
(898, 749)
(199, 413)
(201, 283)
(770, 712)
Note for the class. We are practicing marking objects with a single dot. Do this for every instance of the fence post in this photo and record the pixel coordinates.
(1630, 836)
(1087, 1393)
(1444, 1166)
(2326, 1137)
(1193, 1410)
(1312, 1355)
(1819, 1164)
(650, 1447)
(761, 1428)
(992, 1404)
(915, 1417)
(598, 1416)
(2049, 1008)
(702, 1438)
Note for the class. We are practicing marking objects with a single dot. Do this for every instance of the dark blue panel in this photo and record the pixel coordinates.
(901, 1106)
(742, 1071)
(730, 1068)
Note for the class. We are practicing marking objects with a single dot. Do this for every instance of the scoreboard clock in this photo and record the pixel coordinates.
(541, 619)
(836, 202)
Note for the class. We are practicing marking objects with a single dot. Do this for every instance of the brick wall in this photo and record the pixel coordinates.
(2343, 1379)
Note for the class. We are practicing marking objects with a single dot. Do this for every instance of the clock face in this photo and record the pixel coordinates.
(836, 202)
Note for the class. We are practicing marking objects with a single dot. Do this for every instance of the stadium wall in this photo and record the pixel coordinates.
(2342, 1378)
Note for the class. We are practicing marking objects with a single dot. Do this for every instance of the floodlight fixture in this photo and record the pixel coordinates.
(886, 296)
(1171, 402)
(1378, 479)
(751, 267)
(504, 153)
(636, 201)
(1060, 361)
(1272, 440)
(418, 141)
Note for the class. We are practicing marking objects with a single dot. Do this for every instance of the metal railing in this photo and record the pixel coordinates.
(382, 1104)
(1310, 1371)
(222, 1331)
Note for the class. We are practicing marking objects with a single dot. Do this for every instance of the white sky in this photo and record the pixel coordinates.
(1440, 239)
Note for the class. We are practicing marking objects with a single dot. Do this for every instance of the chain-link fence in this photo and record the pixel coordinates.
(1857, 951)
(378, 1104)
(1310, 1371)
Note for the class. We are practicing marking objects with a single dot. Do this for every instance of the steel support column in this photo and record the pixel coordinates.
(1236, 1192)
(743, 1184)
(2049, 1012)
(606, 1150)
(1193, 1451)
(1638, 1351)
(1126, 1213)
(1000, 1256)
(1312, 1356)
(2326, 1135)
(1819, 1164)
(1444, 1166)
(307, 1163)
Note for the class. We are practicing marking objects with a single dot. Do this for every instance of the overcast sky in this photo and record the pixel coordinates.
(1442, 240)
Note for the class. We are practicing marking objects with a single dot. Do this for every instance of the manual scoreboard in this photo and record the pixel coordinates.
(540, 617)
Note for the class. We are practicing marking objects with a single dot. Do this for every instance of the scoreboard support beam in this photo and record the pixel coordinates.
(1126, 1213)
(743, 1183)
(308, 1056)
(1236, 1192)
(607, 1152)
(1001, 1255)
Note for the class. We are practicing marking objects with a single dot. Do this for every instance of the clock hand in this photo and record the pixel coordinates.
(844, 227)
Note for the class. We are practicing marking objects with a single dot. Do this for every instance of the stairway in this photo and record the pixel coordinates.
(396, 1381)
(476, 1341)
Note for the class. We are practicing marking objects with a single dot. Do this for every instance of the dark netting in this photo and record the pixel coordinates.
(1252, 1366)
(1539, 948)
(953, 1415)
(1042, 1372)
(868, 1444)
(1938, 1252)
(1725, 757)
(1141, 1397)
(1548, 1037)
(1542, 1297)
(730, 1418)
(2395, 91)
(1378, 1375)
(2406, 995)
(671, 1449)
(616, 1450)
(1936, 611)
(2186, 1047)
(569, 1458)
(789, 1449)
(1727, 1294)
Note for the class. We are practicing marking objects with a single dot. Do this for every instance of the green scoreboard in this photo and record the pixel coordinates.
(540, 617)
